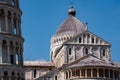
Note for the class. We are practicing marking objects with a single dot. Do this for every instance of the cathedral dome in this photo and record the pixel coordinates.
(71, 25)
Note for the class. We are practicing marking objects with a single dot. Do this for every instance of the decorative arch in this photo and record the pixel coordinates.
(2, 20)
(13, 2)
(4, 51)
(5, 75)
(18, 74)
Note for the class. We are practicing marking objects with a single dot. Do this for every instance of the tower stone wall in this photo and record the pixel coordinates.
(11, 41)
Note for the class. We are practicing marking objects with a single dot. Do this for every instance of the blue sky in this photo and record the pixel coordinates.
(41, 19)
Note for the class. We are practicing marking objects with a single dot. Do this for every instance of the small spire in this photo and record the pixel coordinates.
(86, 26)
(71, 11)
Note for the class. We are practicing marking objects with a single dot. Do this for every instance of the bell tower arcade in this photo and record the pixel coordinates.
(11, 41)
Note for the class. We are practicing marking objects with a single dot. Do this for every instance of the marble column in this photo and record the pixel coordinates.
(109, 73)
(17, 28)
(80, 73)
(12, 23)
(86, 39)
(90, 39)
(90, 50)
(68, 74)
(74, 52)
(14, 53)
(104, 72)
(97, 72)
(91, 73)
(119, 75)
(66, 56)
(85, 73)
(94, 40)
(82, 39)
(65, 75)
(99, 52)
(8, 51)
(19, 57)
(1, 52)
(6, 21)
(19, 25)
(0, 25)
(113, 74)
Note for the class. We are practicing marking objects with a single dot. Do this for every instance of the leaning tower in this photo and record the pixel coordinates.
(11, 41)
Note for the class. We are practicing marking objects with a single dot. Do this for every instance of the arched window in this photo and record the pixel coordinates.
(55, 77)
(92, 40)
(66, 75)
(104, 52)
(35, 73)
(11, 51)
(12, 59)
(15, 30)
(86, 51)
(13, 76)
(69, 51)
(79, 39)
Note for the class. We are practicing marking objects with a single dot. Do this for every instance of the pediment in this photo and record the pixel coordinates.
(89, 60)
(88, 38)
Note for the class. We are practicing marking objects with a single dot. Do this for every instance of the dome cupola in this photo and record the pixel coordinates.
(71, 11)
